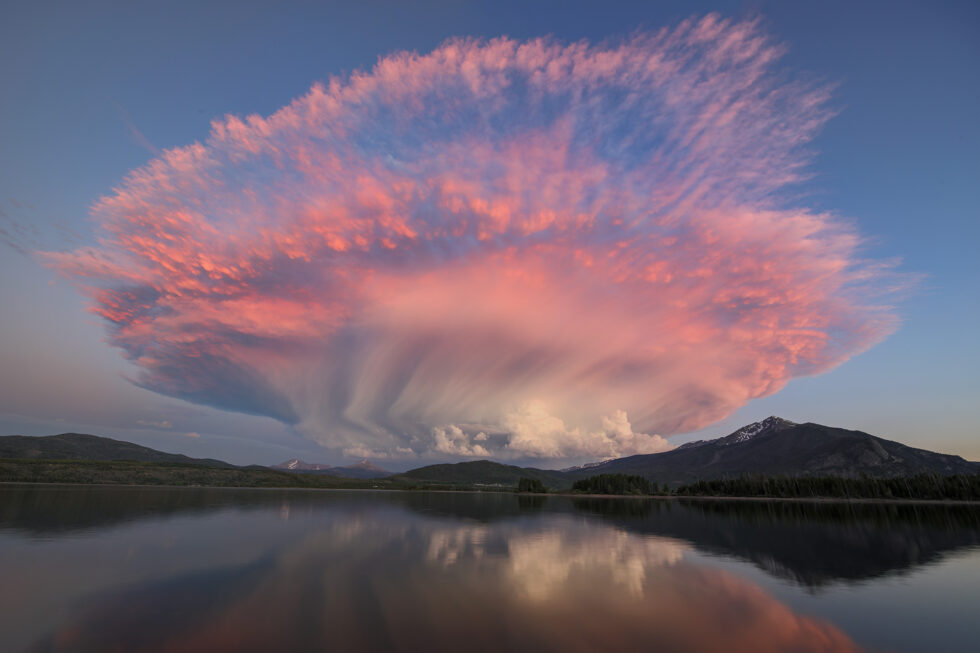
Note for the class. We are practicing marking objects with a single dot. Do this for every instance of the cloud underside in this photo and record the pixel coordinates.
(499, 248)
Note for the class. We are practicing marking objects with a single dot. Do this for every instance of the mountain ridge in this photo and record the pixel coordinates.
(770, 447)
(773, 446)
(745, 433)
(363, 469)
(778, 447)
(83, 446)
(482, 472)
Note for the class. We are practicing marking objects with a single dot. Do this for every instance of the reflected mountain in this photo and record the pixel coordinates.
(410, 583)
(809, 543)
(812, 544)
(51, 510)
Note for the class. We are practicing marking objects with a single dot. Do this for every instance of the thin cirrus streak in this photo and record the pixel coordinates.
(516, 249)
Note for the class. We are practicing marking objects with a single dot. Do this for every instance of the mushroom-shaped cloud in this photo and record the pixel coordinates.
(499, 248)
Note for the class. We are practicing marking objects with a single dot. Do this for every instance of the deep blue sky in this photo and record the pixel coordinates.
(91, 89)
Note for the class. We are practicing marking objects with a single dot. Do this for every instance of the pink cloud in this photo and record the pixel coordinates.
(409, 257)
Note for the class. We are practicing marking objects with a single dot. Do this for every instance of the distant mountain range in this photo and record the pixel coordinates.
(363, 469)
(79, 446)
(774, 446)
(484, 472)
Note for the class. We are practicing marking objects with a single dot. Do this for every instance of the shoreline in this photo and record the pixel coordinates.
(570, 495)
(930, 502)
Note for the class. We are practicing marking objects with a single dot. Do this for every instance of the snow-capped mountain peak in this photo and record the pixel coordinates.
(297, 464)
(750, 431)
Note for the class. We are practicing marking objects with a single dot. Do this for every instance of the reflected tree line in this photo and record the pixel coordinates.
(811, 543)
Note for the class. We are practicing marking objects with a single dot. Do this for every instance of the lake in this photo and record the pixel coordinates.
(165, 569)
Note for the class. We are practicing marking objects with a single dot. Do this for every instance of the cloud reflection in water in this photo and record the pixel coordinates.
(395, 581)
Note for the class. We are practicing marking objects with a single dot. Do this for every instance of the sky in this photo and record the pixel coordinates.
(543, 234)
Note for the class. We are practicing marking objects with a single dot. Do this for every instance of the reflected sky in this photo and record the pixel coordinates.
(205, 570)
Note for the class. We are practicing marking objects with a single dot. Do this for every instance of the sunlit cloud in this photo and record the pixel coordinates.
(541, 566)
(499, 248)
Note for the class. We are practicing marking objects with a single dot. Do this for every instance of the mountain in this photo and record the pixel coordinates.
(776, 446)
(79, 446)
(364, 469)
(297, 465)
(773, 446)
(483, 472)
(578, 468)
(770, 424)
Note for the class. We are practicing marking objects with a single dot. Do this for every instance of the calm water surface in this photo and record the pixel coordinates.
(162, 569)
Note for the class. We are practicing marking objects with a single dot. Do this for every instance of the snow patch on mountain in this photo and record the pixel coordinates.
(746, 433)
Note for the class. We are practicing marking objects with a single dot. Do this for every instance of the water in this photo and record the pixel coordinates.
(163, 569)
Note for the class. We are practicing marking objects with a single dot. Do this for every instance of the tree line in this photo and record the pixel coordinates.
(617, 484)
(920, 486)
(532, 485)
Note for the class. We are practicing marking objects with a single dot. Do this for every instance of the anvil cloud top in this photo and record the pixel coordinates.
(499, 248)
